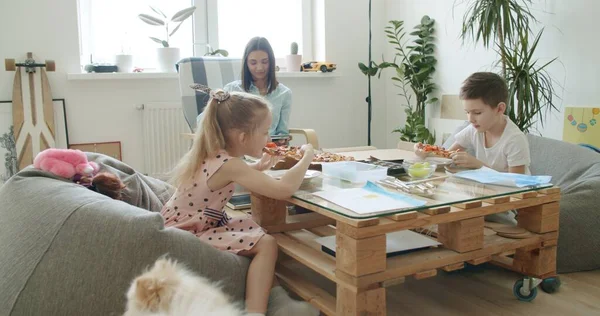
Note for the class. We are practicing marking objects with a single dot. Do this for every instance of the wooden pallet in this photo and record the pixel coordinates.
(362, 271)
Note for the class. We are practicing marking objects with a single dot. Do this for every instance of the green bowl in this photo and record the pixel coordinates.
(419, 170)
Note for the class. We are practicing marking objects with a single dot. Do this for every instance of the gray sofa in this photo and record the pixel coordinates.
(66, 250)
(576, 170)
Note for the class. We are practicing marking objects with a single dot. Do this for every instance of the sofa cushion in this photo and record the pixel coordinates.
(576, 170)
(67, 250)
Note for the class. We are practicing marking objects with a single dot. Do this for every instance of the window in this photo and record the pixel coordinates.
(234, 22)
(110, 27)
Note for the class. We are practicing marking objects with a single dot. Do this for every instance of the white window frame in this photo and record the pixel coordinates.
(206, 28)
(86, 43)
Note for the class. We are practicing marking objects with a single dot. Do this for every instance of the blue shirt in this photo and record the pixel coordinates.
(280, 101)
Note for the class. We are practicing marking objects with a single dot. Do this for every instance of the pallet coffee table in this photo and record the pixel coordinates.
(361, 269)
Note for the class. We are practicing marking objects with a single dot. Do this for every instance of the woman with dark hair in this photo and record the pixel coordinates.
(258, 77)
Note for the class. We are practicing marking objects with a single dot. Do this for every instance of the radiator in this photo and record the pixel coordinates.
(163, 125)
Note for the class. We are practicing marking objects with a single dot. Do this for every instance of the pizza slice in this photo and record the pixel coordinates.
(331, 157)
(437, 151)
(294, 152)
(282, 151)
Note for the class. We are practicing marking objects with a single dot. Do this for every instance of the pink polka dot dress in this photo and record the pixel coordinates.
(197, 209)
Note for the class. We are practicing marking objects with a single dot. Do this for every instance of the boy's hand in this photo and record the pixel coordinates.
(418, 149)
(463, 159)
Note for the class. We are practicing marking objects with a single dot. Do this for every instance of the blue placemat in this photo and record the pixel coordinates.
(489, 176)
(397, 196)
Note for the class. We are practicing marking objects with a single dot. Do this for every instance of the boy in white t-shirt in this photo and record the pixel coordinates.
(496, 141)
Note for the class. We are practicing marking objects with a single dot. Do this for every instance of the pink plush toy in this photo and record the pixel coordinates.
(65, 163)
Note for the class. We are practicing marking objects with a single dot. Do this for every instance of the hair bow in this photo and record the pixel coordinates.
(220, 95)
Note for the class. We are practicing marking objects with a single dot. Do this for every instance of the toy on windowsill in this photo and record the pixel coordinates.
(314, 66)
(73, 164)
(100, 67)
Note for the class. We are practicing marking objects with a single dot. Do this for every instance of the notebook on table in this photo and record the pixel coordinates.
(370, 199)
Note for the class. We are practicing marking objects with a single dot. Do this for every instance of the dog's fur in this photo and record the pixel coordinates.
(169, 289)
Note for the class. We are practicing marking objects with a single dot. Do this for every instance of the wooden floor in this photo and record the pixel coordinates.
(485, 291)
(482, 290)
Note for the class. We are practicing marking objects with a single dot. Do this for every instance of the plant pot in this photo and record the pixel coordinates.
(293, 63)
(124, 62)
(167, 57)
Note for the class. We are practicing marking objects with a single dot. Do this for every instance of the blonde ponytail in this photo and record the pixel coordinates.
(223, 112)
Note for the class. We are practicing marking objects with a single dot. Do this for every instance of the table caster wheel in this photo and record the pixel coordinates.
(522, 293)
(550, 285)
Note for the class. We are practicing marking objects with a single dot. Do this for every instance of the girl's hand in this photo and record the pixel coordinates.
(463, 159)
(266, 162)
(307, 149)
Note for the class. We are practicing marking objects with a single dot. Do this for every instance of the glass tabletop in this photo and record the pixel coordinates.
(447, 191)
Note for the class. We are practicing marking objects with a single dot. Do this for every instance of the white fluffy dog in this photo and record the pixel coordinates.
(169, 289)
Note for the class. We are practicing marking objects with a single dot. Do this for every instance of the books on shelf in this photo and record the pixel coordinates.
(396, 243)
(240, 199)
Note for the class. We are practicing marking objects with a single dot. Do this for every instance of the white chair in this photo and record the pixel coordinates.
(405, 145)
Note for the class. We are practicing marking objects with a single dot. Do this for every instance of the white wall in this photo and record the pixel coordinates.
(35, 25)
(570, 34)
(104, 110)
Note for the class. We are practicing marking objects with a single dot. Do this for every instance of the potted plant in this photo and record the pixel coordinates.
(505, 26)
(124, 59)
(216, 52)
(414, 66)
(293, 61)
(167, 56)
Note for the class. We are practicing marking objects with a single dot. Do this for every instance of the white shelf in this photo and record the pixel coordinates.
(174, 75)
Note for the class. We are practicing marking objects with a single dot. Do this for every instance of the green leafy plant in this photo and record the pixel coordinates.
(414, 129)
(216, 52)
(530, 88)
(505, 25)
(414, 65)
(162, 20)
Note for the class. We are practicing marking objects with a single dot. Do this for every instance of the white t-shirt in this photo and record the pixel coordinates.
(511, 150)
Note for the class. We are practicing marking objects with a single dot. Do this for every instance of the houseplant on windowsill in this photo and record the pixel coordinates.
(167, 56)
(216, 52)
(293, 61)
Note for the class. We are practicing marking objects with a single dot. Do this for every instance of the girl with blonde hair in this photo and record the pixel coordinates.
(233, 125)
